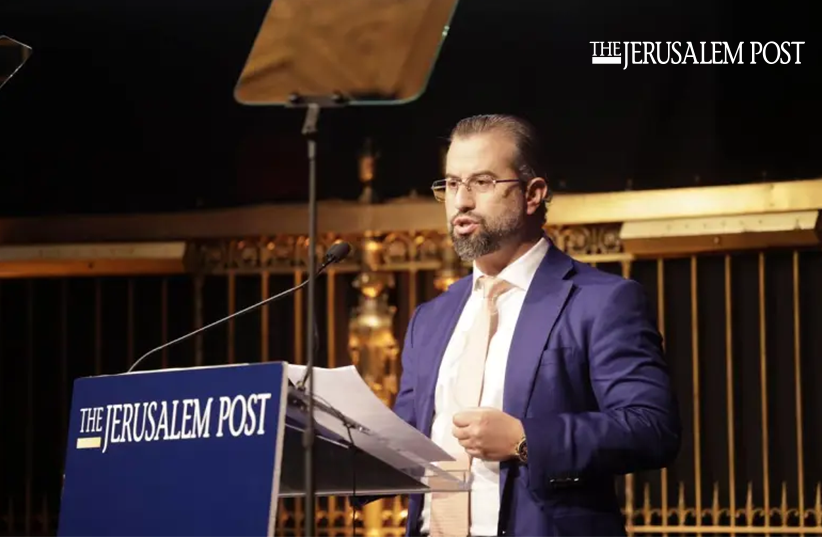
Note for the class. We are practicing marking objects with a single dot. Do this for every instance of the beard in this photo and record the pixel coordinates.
(489, 237)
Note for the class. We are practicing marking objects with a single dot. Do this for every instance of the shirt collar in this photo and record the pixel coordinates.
(522, 270)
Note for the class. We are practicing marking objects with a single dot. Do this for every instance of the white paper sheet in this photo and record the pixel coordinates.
(345, 390)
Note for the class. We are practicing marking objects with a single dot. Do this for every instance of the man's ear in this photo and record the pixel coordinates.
(535, 194)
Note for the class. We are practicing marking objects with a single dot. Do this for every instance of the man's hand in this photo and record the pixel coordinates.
(487, 433)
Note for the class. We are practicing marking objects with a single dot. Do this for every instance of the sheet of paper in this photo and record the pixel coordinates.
(345, 390)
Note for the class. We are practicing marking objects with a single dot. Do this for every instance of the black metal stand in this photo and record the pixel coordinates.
(309, 131)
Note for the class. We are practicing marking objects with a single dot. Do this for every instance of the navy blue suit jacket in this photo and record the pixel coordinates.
(587, 377)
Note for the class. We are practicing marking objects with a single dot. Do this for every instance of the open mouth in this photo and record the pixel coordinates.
(464, 225)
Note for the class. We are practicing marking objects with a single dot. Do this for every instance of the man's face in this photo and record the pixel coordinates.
(481, 222)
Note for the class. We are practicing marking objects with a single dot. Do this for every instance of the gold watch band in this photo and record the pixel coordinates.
(522, 450)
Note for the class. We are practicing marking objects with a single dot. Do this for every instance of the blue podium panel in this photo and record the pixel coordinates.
(175, 452)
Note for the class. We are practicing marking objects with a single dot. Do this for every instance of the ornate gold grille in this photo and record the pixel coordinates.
(741, 328)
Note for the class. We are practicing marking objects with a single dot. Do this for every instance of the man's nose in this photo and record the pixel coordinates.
(464, 199)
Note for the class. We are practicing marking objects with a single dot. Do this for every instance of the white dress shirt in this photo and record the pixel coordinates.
(484, 475)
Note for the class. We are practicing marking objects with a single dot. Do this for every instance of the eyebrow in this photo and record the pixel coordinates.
(483, 172)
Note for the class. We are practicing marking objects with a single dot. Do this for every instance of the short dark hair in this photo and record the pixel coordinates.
(528, 161)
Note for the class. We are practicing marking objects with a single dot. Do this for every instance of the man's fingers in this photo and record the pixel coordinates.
(464, 418)
(475, 452)
(460, 433)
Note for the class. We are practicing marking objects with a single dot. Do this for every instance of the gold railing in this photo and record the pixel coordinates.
(739, 308)
(722, 512)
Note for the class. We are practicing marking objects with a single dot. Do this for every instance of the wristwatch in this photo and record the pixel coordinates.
(522, 450)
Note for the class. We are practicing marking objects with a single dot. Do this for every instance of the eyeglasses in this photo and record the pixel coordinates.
(448, 187)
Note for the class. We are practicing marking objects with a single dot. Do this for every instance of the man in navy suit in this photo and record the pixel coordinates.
(571, 387)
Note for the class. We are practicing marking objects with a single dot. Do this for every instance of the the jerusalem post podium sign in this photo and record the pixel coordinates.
(178, 452)
(209, 451)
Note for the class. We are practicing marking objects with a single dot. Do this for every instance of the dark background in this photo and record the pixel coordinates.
(128, 106)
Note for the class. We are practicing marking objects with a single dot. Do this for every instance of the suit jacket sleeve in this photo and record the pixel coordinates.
(404, 402)
(637, 425)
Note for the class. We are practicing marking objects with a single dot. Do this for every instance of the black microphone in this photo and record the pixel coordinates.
(336, 253)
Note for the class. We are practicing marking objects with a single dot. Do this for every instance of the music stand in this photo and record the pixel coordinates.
(330, 53)
(13, 54)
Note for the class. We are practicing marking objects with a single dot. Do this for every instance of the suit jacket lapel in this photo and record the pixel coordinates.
(442, 322)
(543, 303)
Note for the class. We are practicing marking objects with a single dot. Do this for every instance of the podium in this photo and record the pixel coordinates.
(210, 450)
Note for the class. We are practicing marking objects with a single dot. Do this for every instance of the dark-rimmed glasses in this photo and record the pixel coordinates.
(448, 187)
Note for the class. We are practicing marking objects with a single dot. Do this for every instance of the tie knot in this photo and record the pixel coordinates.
(492, 287)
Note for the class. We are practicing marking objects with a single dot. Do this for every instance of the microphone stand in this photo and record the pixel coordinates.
(309, 131)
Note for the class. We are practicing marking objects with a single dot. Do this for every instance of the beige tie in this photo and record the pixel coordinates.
(450, 516)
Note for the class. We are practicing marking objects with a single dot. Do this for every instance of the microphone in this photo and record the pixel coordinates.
(336, 253)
